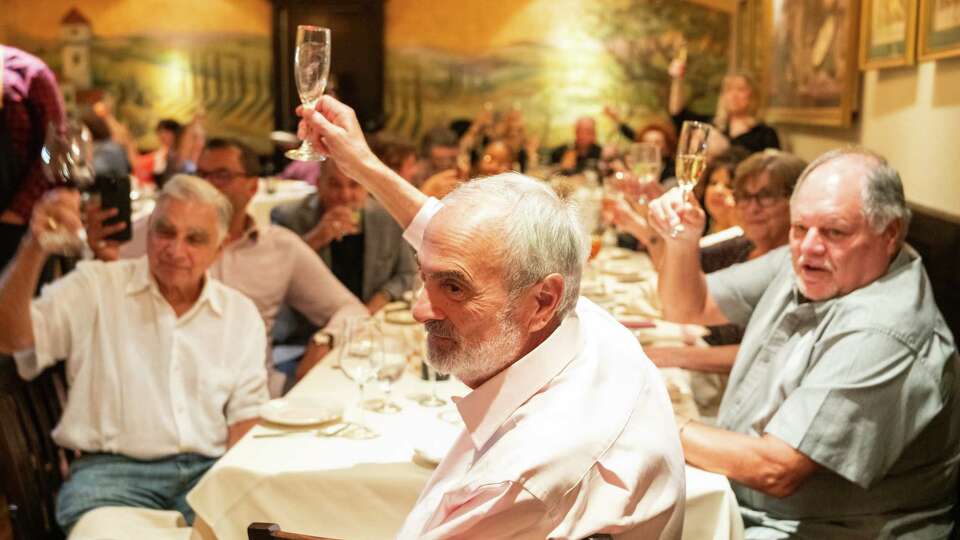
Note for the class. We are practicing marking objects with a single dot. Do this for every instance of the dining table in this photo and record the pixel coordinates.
(314, 479)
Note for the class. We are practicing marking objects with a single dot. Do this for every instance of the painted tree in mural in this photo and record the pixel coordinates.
(642, 36)
(569, 65)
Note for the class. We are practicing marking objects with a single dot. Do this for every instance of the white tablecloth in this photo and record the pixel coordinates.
(359, 489)
(273, 192)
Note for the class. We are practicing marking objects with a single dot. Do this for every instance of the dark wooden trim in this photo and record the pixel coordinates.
(936, 236)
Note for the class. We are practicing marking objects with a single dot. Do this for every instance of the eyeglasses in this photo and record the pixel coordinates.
(765, 197)
(220, 176)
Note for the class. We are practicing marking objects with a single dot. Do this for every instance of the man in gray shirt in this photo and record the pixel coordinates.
(840, 419)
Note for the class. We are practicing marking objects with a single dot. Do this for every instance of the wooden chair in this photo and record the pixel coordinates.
(271, 531)
(30, 462)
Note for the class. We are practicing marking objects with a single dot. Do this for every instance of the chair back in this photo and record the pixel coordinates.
(271, 531)
(30, 471)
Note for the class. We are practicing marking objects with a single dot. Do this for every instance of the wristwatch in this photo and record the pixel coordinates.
(323, 339)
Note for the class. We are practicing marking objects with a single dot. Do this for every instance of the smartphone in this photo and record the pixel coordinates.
(114, 192)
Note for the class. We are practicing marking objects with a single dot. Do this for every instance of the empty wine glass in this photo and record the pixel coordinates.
(311, 68)
(432, 399)
(360, 358)
(67, 161)
(391, 370)
(691, 160)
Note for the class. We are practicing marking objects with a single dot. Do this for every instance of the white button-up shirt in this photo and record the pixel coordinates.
(575, 438)
(143, 382)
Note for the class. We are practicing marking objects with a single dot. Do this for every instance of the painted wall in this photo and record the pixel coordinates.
(169, 58)
(911, 115)
(554, 60)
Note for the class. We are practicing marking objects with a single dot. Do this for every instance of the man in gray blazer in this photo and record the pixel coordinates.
(357, 240)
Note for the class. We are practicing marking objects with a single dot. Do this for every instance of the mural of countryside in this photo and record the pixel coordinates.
(149, 77)
(604, 52)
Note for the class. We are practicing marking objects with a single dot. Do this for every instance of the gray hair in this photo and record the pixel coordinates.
(882, 196)
(542, 234)
(184, 187)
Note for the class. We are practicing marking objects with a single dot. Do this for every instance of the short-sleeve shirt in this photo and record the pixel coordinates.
(863, 384)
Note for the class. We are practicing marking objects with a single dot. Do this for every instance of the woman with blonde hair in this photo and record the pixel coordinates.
(737, 109)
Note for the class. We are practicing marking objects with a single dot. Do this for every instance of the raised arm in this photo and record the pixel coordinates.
(681, 281)
(677, 99)
(58, 209)
(333, 129)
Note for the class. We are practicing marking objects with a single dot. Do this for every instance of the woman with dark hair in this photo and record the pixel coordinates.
(166, 159)
(715, 190)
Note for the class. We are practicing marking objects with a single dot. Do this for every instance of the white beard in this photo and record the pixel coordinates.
(476, 361)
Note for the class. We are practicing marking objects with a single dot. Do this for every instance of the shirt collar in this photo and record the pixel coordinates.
(251, 231)
(143, 279)
(491, 404)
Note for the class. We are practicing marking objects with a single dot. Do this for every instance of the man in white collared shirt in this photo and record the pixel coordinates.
(271, 265)
(569, 431)
(165, 364)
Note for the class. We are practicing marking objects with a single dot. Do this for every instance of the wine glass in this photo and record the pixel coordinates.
(431, 399)
(67, 161)
(691, 160)
(643, 160)
(360, 358)
(311, 68)
(391, 370)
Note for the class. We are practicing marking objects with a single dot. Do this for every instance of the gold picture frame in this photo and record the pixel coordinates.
(888, 33)
(811, 68)
(939, 29)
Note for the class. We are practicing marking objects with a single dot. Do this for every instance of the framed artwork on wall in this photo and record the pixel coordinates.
(887, 33)
(939, 29)
(811, 72)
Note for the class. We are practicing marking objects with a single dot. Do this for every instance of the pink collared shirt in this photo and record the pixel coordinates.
(575, 438)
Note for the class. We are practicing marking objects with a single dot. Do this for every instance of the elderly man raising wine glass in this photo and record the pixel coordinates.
(568, 428)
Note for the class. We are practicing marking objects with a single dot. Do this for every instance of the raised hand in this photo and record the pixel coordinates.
(670, 209)
(336, 223)
(334, 131)
(58, 210)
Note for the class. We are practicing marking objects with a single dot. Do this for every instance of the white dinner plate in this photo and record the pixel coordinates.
(299, 412)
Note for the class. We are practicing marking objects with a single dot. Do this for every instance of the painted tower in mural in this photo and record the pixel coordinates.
(76, 36)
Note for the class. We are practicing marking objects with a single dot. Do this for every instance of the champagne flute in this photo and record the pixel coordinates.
(311, 68)
(67, 161)
(643, 160)
(360, 358)
(691, 160)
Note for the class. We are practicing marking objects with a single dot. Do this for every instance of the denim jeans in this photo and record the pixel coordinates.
(113, 480)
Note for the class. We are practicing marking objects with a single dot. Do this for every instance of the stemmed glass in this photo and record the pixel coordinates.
(311, 68)
(431, 399)
(691, 160)
(67, 160)
(391, 370)
(360, 358)
(643, 160)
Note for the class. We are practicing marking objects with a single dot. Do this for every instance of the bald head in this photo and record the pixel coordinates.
(585, 132)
